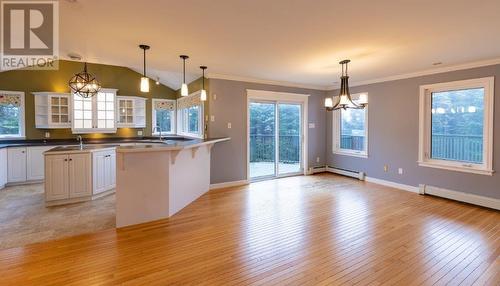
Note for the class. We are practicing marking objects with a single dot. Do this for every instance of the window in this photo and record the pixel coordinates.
(190, 115)
(350, 131)
(95, 114)
(163, 116)
(11, 114)
(456, 125)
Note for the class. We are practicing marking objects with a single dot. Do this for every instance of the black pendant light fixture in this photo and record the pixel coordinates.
(84, 84)
(344, 100)
(144, 79)
(184, 87)
(203, 95)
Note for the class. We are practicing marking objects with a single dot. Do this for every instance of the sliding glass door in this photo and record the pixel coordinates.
(275, 139)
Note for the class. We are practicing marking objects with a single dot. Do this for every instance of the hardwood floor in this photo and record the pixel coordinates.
(315, 230)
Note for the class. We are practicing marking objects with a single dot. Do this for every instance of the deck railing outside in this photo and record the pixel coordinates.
(262, 148)
(463, 148)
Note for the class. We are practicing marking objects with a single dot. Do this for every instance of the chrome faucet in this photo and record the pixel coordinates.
(159, 129)
(80, 139)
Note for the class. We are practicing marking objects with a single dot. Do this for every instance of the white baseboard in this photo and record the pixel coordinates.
(228, 184)
(315, 170)
(462, 197)
(393, 184)
(357, 175)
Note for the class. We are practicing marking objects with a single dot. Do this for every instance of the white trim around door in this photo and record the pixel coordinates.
(277, 98)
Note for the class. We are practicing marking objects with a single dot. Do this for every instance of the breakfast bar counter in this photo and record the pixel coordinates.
(155, 181)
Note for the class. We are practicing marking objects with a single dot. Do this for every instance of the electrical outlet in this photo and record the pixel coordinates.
(139, 133)
(229, 125)
(214, 96)
(47, 134)
(400, 171)
(312, 125)
(212, 118)
(386, 168)
(317, 159)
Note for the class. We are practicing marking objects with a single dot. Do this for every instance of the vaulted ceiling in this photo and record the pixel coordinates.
(297, 41)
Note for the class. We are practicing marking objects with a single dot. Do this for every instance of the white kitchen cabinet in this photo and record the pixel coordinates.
(56, 177)
(80, 178)
(16, 164)
(104, 171)
(3, 167)
(35, 162)
(67, 176)
(52, 110)
(131, 111)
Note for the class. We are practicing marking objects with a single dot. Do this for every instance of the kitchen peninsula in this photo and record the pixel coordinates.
(155, 181)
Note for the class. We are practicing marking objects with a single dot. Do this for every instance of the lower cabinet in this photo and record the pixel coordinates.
(16, 163)
(3, 167)
(104, 165)
(35, 162)
(67, 176)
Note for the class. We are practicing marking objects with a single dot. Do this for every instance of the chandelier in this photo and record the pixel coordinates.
(84, 84)
(344, 100)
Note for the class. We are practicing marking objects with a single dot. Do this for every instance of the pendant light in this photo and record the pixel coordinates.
(203, 95)
(184, 87)
(344, 100)
(84, 84)
(144, 79)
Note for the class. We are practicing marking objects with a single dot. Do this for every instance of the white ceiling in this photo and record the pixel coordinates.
(295, 41)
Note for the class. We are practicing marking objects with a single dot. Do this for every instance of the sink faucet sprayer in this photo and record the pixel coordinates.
(80, 139)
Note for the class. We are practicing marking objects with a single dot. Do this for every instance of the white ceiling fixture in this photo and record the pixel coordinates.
(285, 42)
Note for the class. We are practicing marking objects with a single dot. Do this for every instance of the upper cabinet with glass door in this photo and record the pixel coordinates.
(52, 110)
(95, 114)
(131, 111)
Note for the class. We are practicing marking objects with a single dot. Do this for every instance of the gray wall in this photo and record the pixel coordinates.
(393, 136)
(229, 158)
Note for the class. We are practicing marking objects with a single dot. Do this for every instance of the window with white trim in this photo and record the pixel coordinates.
(11, 114)
(95, 114)
(350, 130)
(163, 116)
(190, 116)
(456, 125)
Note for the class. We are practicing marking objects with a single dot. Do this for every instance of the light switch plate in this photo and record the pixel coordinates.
(312, 125)
(139, 133)
(212, 118)
(229, 125)
(47, 134)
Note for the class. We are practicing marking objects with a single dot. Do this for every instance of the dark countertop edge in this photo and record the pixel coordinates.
(57, 142)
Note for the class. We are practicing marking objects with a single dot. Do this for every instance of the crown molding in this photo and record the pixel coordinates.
(263, 81)
(451, 68)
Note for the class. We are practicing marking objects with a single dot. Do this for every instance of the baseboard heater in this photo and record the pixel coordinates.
(354, 174)
(460, 196)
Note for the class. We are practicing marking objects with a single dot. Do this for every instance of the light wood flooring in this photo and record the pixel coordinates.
(24, 219)
(314, 230)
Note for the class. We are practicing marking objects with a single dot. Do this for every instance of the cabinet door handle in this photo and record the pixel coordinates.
(71, 159)
(65, 160)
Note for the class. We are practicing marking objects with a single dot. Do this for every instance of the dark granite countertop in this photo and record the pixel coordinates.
(73, 141)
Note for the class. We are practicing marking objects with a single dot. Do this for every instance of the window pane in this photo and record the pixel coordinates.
(457, 125)
(193, 119)
(9, 120)
(164, 120)
(352, 129)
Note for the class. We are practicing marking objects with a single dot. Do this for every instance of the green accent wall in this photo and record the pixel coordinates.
(122, 78)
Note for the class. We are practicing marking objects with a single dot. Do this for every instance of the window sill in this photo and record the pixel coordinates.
(352, 154)
(471, 170)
